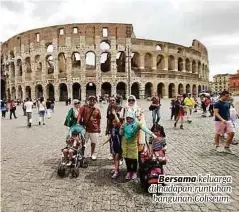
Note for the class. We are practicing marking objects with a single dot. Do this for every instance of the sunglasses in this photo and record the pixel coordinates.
(76, 103)
(131, 100)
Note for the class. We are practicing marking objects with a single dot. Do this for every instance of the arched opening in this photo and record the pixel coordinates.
(199, 89)
(188, 89)
(49, 64)
(161, 90)
(121, 89)
(160, 62)
(106, 89)
(194, 67)
(90, 89)
(171, 63)
(180, 64)
(75, 60)
(148, 61)
(135, 90)
(135, 62)
(188, 65)
(104, 45)
(28, 92)
(3, 89)
(50, 92)
(12, 56)
(171, 90)
(158, 47)
(194, 90)
(28, 65)
(19, 93)
(39, 91)
(203, 88)
(120, 61)
(49, 48)
(148, 90)
(105, 62)
(19, 67)
(62, 62)
(12, 69)
(90, 60)
(179, 51)
(38, 63)
(180, 89)
(13, 93)
(76, 89)
(63, 92)
(203, 70)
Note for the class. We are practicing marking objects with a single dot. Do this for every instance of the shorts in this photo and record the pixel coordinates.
(92, 136)
(221, 128)
(115, 148)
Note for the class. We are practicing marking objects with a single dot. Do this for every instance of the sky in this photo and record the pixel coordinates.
(214, 23)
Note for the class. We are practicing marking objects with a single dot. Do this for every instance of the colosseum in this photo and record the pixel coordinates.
(78, 60)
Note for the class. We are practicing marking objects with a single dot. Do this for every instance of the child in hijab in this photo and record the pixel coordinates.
(130, 132)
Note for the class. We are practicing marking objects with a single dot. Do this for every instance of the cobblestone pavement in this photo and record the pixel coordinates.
(30, 158)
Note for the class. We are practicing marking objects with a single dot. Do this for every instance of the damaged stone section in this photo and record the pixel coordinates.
(120, 61)
(105, 62)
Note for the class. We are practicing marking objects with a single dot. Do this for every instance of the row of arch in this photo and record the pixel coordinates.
(105, 62)
(106, 88)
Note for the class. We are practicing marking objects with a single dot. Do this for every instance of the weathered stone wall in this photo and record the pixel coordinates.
(150, 74)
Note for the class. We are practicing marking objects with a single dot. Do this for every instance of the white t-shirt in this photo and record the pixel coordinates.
(233, 114)
(28, 106)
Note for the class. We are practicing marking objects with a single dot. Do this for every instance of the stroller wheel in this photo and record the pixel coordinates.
(61, 171)
(75, 172)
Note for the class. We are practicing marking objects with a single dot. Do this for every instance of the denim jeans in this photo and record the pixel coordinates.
(156, 115)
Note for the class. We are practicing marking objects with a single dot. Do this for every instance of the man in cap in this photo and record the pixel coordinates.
(189, 103)
(90, 117)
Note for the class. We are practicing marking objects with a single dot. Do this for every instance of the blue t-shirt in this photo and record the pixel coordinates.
(223, 108)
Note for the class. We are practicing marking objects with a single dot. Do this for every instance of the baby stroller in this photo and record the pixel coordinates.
(151, 166)
(78, 159)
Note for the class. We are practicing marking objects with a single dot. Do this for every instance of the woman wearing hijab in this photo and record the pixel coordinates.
(71, 118)
(129, 132)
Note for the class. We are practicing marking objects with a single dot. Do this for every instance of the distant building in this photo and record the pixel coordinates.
(221, 82)
(234, 83)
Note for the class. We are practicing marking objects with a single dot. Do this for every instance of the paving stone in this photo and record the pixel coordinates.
(30, 158)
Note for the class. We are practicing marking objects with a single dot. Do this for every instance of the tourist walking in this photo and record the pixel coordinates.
(41, 110)
(189, 104)
(90, 117)
(73, 113)
(173, 109)
(3, 108)
(12, 108)
(222, 122)
(155, 108)
(24, 108)
(29, 108)
(48, 108)
(179, 111)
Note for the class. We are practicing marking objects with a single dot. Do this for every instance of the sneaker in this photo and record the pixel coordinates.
(43, 123)
(175, 124)
(112, 171)
(181, 127)
(217, 149)
(115, 175)
(227, 150)
(128, 176)
(93, 157)
(110, 157)
(39, 123)
(134, 176)
(234, 142)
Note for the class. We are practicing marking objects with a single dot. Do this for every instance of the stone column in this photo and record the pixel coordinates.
(184, 66)
(69, 90)
(56, 92)
(83, 92)
(166, 62)
(176, 64)
(141, 91)
(165, 96)
(113, 89)
(98, 89)
(141, 61)
(154, 65)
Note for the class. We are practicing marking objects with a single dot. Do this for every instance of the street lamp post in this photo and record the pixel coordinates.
(128, 76)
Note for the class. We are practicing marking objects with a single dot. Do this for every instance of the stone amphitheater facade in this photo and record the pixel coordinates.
(78, 60)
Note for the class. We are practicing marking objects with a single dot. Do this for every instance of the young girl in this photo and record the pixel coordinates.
(159, 143)
(179, 111)
(130, 131)
(115, 144)
(73, 143)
